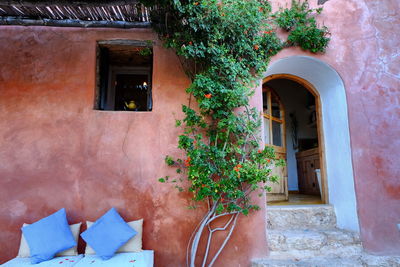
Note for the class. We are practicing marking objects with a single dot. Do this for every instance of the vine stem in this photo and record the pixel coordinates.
(207, 248)
(190, 240)
(211, 231)
(197, 236)
(225, 241)
(198, 232)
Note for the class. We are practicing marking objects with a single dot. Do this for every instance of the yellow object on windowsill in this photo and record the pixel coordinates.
(131, 105)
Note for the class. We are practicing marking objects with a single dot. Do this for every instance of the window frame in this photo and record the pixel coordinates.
(281, 121)
(104, 99)
(114, 71)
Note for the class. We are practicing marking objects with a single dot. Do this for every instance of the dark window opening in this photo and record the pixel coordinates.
(124, 72)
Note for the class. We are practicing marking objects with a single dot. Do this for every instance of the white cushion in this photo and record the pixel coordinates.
(24, 251)
(145, 258)
(67, 261)
(133, 245)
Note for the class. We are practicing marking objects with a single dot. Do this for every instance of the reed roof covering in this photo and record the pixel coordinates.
(78, 13)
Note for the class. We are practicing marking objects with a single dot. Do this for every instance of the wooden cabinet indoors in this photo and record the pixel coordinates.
(307, 163)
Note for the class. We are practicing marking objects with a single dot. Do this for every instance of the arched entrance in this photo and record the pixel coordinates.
(297, 128)
(325, 83)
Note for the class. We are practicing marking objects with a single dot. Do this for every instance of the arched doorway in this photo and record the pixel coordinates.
(335, 138)
(292, 127)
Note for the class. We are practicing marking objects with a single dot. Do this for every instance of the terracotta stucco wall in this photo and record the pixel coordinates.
(365, 51)
(56, 151)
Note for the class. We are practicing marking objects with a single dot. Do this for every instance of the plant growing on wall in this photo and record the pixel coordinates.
(224, 47)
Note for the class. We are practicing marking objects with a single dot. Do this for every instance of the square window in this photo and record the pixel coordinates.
(124, 72)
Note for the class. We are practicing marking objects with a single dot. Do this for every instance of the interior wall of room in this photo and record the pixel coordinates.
(294, 100)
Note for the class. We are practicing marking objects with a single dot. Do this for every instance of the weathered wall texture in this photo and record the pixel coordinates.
(365, 51)
(56, 151)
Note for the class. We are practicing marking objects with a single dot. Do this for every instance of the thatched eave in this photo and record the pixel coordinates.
(39, 3)
(75, 13)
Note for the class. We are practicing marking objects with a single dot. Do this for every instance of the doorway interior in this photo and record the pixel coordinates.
(292, 120)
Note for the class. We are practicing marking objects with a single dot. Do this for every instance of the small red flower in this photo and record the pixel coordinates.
(196, 3)
(256, 47)
(237, 168)
(259, 151)
(203, 185)
(268, 160)
(187, 162)
(208, 96)
(261, 9)
(268, 32)
(190, 43)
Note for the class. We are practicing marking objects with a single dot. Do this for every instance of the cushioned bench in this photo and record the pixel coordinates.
(67, 261)
(130, 259)
(108, 235)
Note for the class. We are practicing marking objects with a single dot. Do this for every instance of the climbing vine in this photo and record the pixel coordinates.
(300, 22)
(224, 47)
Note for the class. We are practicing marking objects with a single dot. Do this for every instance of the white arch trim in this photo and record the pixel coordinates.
(335, 125)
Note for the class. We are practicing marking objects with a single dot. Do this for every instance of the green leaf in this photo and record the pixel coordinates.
(225, 47)
(169, 161)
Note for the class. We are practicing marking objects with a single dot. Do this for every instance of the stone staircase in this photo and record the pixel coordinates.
(307, 236)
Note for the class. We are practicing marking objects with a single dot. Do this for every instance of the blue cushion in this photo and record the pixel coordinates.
(48, 236)
(107, 234)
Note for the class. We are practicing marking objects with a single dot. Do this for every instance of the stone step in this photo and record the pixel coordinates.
(362, 260)
(326, 251)
(369, 260)
(301, 217)
(284, 240)
(315, 262)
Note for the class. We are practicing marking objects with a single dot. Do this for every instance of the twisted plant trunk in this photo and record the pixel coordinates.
(205, 224)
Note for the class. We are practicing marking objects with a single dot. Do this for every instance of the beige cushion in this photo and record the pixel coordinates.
(24, 251)
(133, 245)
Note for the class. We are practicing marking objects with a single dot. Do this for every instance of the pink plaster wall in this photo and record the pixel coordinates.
(365, 51)
(56, 151)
